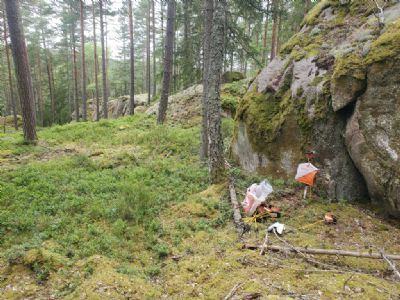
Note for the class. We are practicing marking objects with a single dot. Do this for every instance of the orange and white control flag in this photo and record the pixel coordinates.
(306, 173)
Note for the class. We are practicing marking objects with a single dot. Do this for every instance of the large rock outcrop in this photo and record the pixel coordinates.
(334, 89)
(117, 107)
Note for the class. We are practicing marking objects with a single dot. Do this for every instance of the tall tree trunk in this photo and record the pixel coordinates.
(49, 81)
(22, 70)
(169, 48)
(83, 63)
(144, 70)
(275, 27)
(265, 36)
(39, 89)
(187, 68)
(10, 81)
(75, 67)
(53, 86)
(162, 28)
(278, 41)
(132, 61)
(216, 162)
(148, 78)
(208, 23)
(153, 18)
(96, 63)
(249, 33)
(103, 62)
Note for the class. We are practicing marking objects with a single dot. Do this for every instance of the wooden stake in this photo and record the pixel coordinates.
(237, 216)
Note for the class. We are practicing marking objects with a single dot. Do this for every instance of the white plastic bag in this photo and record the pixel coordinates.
(256, 194)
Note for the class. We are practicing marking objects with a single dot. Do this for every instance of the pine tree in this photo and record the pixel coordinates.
(216, 161)
(103, 61)
(132, 61)
(208, 22)
(169, 48)
(96, 63)
(83, 62)
(22, 69)
(148, 78)
(10, 80)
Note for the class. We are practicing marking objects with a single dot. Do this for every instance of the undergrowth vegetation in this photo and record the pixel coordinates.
(122, 209)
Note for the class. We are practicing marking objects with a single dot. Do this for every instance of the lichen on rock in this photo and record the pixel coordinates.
(338, 73)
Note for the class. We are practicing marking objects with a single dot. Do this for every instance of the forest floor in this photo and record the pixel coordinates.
(121, 209)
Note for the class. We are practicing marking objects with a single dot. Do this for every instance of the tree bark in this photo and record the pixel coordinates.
(208, 22)
(96, 64)
(162, 28)
(154, 48)
(169, 48)
(10, 80)
(76, 99)
(132, 61)
(275, 26)
(49, 80)
(265, 36)
(216, 162)
(83, 63)
(103, 62)
(188, 65)
(148, 74)
(39, 88)
(22, 69)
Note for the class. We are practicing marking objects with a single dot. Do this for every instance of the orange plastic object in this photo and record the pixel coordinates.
(309, 178)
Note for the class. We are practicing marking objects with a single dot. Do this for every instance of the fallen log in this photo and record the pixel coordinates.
(322, 251)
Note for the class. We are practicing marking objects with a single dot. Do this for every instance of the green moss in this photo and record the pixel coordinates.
(302, 45)
(229, 103)
(230, 95)
(359, 7)
(299, 39)
(349, 65)
(264, 115)
(386, 46)
(311, 17)
(229, 77)
(341, 13)
(237, 88)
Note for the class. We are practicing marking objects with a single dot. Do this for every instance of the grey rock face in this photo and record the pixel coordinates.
(332, 100)
(270, 77)
(372, 135)
(345, 90)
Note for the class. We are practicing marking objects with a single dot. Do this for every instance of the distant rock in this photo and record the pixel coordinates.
(229, 77)
(117, 107)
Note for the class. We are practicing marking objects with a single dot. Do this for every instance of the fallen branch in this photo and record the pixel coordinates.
(241, 228)
(390, 263)
(322, 251)
(233, 291)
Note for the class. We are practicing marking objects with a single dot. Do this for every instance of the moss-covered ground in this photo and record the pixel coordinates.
(121, 209)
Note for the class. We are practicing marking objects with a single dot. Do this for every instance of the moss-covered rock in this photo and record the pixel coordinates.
(311, 90)
(229, 77)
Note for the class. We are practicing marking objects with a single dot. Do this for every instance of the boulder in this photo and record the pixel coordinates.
(229, 77)
(333, 89)
(372, 134)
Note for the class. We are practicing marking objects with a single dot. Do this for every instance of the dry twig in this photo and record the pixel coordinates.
(233, 291)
